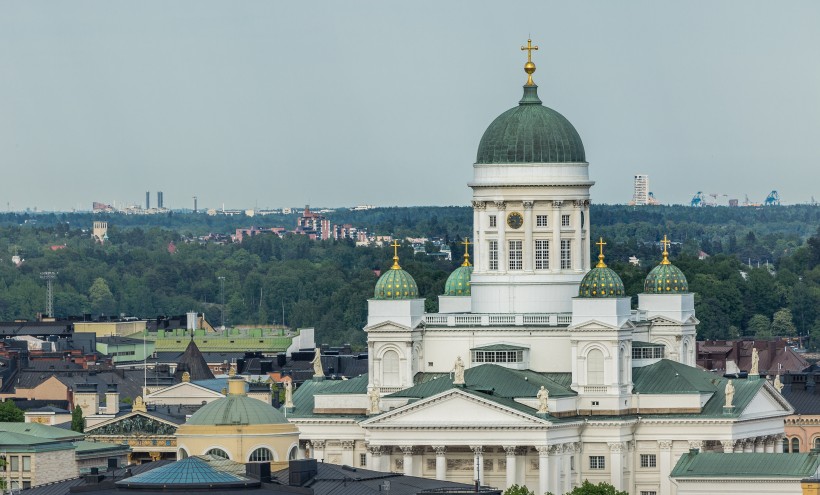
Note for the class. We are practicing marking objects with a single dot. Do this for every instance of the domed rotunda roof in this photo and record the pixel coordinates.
(236, 409)
(530, 132)
(601, 281)
(665, 278)
(396, 283)
(458, 283)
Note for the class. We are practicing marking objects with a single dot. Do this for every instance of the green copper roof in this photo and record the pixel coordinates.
(458, 283)
(745, 465)
(601, 282)
(396, 284)
(530, 133)
(666, 278)
(236, 410)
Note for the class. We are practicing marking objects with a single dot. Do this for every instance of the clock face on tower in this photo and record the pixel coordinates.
(515, 220)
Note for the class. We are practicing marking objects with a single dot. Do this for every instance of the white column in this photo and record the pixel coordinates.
(501, 223)
(318, 450)
(616, 468)
(769, 444)
(577, 248)
(566, 486)
(347, 453)
(556, 452)
(760, 445)
(778, 444)
(478, 462)
(478, 236)
(543, 469)
(555, 244)
(407, 450)
(728, 445)
(374, 457)
(441, 462)
(586, 240)
(529, 246)
(749, 445)
(665, 465)
(510, 450)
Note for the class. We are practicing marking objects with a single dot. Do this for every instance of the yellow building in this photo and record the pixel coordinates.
(238, 428)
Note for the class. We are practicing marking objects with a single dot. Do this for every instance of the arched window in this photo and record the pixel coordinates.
(390, 369)
(817, 443)
(217, 452)
(183, 454)
(292, 454)
(595, 367)
(261, 455)
(786, 445)
(795, 445)
(685, 357)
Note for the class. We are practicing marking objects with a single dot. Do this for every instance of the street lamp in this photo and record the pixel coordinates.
(222, 290)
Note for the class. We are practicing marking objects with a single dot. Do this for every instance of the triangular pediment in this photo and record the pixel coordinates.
(386, 326)
(596, 325)
(767, 402)
(472, 411)
(186, 390)
(134, 423)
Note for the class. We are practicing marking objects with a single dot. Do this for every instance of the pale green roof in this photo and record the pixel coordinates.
(41, 431)
(458, 283)
(86, 447)
(212, 344)
(236, 410)
(746, 465)
(304, 402)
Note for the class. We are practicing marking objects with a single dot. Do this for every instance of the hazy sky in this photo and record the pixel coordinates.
(335, 103)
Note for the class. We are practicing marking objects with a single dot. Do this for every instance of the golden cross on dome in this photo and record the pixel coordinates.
(601, 245)
(665, 243)
(466, 244)
(395, 247)
(529, 67)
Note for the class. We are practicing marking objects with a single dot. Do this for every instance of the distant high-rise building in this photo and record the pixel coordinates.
(640, 196)
(147, 200)
(160, 203)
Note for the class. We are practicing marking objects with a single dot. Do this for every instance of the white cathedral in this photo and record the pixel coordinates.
(536, 371)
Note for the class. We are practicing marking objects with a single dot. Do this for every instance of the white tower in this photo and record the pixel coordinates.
(530, 210)
(640, 195)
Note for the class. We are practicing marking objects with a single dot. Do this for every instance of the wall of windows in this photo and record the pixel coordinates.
(498, 356)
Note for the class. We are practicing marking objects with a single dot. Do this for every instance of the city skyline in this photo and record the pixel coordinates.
(267, 105)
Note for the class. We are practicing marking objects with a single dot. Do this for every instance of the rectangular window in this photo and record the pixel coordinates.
(363, 460)
(564, 220)
(597, 462)
(542, 254)
(516, 255)
(15, 463)
(26, 463)
(492, 221)
(566, 254)
(648, 461)
(649, 492)
(541, 220)
(493, 252)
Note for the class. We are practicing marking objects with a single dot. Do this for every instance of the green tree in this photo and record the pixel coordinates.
(814, 336)
(759, 326)
(77, 421)
(783, 324)
(601, 488)
(518, 490)
(101, 298)
(10, 413)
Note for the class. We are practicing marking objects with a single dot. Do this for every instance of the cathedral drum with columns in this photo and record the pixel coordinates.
(536, 371)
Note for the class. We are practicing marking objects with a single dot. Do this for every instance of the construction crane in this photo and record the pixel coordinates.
(773, 199)
(698, 199)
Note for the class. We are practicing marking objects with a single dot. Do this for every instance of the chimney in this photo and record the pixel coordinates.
(301, 471)
(112, 399)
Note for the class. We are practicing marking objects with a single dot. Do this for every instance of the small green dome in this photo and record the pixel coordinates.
(396, 283)
(666, 278)
(458, 283)
(530, 133)
(601, 281)
(237, 410)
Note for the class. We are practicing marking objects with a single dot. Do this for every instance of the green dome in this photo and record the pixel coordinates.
(602, 282)
(530, 133)
(458, 283)
(396, 283)
(665, 278)
(236, 410)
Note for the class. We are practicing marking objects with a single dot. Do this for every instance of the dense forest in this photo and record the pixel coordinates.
(761, 276)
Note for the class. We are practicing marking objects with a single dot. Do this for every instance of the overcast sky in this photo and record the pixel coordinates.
(332, 103)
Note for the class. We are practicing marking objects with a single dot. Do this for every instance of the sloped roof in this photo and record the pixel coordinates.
(494, 380)
(356, 385)
(40, 431)
(194, 363)
(192, 472)
(303, 398)
(803, 401)
(745, 465)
